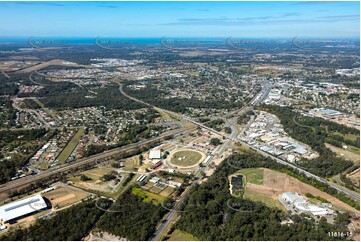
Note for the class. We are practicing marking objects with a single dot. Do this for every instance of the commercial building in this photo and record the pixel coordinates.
(302, 206)
(20, 208)
(154, 154)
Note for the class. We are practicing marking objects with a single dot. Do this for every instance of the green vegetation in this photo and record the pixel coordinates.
(73, 223)
(136, 219)
(319, 132)
(64, 95)
(265, 199)
(186, 158)
(17, 147)
(253, 175)
(215, 141)
(321, 199)
(85, 178)
(7, 87)
(132, 134)
(179, 235)
(216, 124)
(7, 113)
(148, 196)
(175, 104)
(128, 179)
(243, 219)
(348, 182)
(66, 152)
(245, 117)
(108, 177)
(31, 104)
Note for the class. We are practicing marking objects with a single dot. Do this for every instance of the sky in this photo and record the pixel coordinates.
(180, 19)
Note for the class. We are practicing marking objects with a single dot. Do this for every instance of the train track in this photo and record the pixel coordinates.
(26, 181)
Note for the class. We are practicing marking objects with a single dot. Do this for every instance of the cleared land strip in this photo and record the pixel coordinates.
(69, 148)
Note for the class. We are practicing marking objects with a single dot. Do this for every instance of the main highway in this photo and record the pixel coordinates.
(259, 98)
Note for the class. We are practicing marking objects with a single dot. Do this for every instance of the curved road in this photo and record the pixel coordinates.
(234, 138)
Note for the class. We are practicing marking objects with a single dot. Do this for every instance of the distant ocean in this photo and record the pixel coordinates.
(89, 40)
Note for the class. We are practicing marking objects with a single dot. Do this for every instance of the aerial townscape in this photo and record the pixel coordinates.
(179, 138)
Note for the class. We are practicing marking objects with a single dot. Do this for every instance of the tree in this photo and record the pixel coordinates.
(215, 141)
(85, 178)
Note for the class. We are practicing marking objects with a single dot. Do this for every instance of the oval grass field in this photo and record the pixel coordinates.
(186, 158)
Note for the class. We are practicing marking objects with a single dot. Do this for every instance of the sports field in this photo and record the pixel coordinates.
(185, 158)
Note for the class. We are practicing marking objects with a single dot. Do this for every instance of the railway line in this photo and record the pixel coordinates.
(25, 181)
(259, 98)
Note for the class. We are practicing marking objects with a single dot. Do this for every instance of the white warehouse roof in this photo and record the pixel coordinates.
(20, 208)
(154, 154)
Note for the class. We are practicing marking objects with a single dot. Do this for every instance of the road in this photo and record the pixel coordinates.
(234, 137)
(25, 181)
(347, 192)
(171, 214)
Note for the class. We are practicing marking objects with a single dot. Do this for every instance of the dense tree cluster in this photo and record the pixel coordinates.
(7, 87)
(7, 113)
(215, 141)
(219, 216)
(215, 124)
(109, 97)
(245, 117)
(133, 219)
(31, 104)
(71, 224)
(18, 140)
(315, 132)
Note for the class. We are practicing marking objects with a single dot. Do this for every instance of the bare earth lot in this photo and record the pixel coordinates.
(349, 155)
(275, 183)
(355, 176)
(63, 197)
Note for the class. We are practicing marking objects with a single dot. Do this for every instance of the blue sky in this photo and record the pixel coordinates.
(180, 19)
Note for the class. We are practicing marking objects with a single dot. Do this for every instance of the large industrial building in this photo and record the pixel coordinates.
(154, 154)
(20, 208)
(303, 206)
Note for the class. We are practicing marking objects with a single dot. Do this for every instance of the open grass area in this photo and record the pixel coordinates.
(44, 165)
(345, 153)
(346, 136)
(267, 200)
(167, 192)
(186, 158)
(132, 162)
(95, 184)
(179, 235)
(94, 174)
(66, 152)
(148, 196)
(253, 175)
